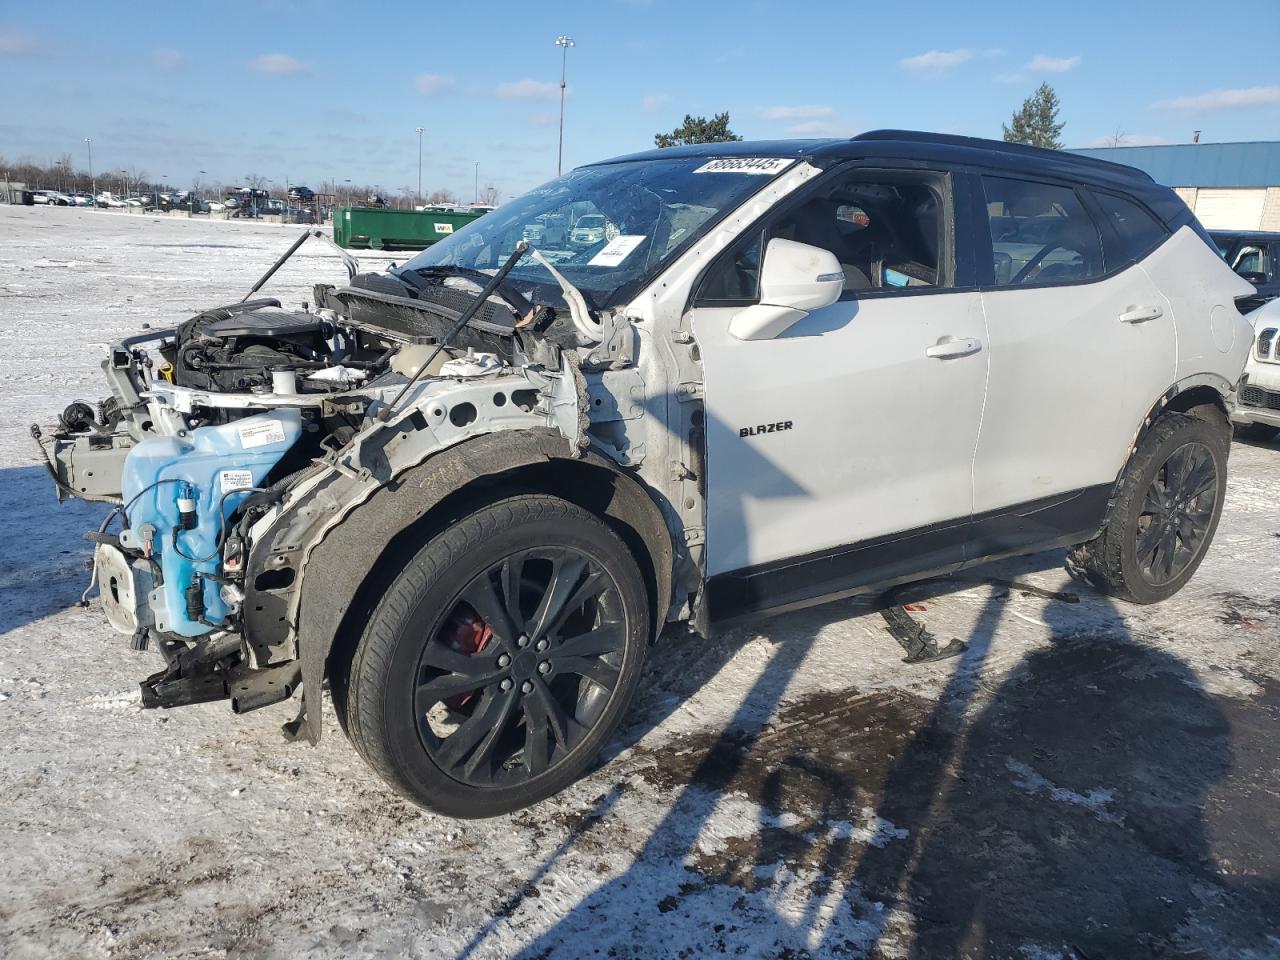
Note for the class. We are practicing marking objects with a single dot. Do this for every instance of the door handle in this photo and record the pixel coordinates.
(1141, 314)
(950, 347)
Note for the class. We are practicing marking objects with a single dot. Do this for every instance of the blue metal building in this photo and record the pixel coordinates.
(1228, 185)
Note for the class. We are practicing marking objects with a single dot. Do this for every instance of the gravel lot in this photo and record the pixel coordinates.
(1088, 780)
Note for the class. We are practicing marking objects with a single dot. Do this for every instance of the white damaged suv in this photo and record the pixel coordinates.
(468, 492)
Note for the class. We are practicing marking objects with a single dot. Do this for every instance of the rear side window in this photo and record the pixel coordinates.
(1040, 233)
(1136, 232)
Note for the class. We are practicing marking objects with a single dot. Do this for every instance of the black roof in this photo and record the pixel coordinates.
(909, 144)
(1246, 234)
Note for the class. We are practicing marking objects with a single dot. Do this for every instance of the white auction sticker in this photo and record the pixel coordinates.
(765, 166)
(229, 480)
(616, 250)
(260, 434)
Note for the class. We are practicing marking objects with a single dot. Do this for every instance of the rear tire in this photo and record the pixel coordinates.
(1164, 515)
(500, 659)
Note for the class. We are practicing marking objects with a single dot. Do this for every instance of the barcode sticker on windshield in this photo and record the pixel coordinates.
(616, 250)
(766, 166)
(229, 480)
(260, 434)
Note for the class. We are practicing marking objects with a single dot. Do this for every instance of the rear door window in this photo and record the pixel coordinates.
(1135, 233)
(1040, 233)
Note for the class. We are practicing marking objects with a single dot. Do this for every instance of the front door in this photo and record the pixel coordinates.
(829, 442)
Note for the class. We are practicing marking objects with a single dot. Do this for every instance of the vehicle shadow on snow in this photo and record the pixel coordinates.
(1062, 813)
(42, 560)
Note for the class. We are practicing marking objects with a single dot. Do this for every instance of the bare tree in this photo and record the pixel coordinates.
(1117, 138)
(255, 182)
(441, 197)
(490, 195)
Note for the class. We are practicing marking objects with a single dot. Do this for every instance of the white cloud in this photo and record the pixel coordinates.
(166, 59)
(527, 90)
(431, 83)
(278, 65)
(1010, 78)
(793, 113)
(992, 53)
(1045, 64)
(16, 43)
(655, 102)
(1224, 99)
(822, 128)
(937, 60)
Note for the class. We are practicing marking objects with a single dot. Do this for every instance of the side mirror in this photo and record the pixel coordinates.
(1254, 277)
(794, 279)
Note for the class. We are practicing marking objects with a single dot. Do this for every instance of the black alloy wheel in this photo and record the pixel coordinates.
(1177, 513)
(522, 667)
(498, 661)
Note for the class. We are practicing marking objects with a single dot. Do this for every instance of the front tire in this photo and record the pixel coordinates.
(1165, 513)
(500, 660)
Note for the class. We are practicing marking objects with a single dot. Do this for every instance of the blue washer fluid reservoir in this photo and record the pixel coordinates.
(200, 467)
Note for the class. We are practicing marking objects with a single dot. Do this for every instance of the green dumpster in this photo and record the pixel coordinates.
(381, 229)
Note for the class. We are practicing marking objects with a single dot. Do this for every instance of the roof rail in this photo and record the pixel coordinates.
(1000, 146)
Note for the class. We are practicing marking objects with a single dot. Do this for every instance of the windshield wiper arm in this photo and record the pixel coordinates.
(495, 281)
(516, 300)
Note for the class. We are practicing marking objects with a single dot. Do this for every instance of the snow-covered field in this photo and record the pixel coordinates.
(1088, 780)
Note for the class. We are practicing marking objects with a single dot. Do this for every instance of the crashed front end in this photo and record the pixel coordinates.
(233, 443)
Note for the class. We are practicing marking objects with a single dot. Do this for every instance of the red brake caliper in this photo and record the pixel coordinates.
(466, 633)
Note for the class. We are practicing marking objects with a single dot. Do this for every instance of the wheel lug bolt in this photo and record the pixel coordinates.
(505, 685)
(504, 660)
(526, 687)
(544, 667)
(541, 645)
(522, 641)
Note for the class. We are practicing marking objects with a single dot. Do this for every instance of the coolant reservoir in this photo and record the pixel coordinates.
(411, 356)
(201, 467)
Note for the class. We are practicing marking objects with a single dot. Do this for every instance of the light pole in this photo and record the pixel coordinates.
(419, 203)
(348, 183)
(93, 188)
(564, 43)
(476, 194)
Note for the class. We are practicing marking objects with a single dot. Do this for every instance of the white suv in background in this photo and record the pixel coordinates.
(470, 490)
(1256, 413)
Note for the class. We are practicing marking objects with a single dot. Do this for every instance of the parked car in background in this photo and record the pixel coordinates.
(588, 230)
(1256, 413)
(53, 198)
(302, 194)
(80, 199)
(1253, 254)
(789, 372)
(110, 201)
(216, 206)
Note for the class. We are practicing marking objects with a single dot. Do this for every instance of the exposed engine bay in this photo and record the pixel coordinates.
(232, 442)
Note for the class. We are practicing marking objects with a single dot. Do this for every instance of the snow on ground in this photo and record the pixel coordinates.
(1090, 779)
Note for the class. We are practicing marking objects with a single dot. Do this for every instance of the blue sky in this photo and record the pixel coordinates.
(314, 90)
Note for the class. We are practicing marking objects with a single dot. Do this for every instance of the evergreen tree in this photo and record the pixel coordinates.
(698, 130)
(1037, 122)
